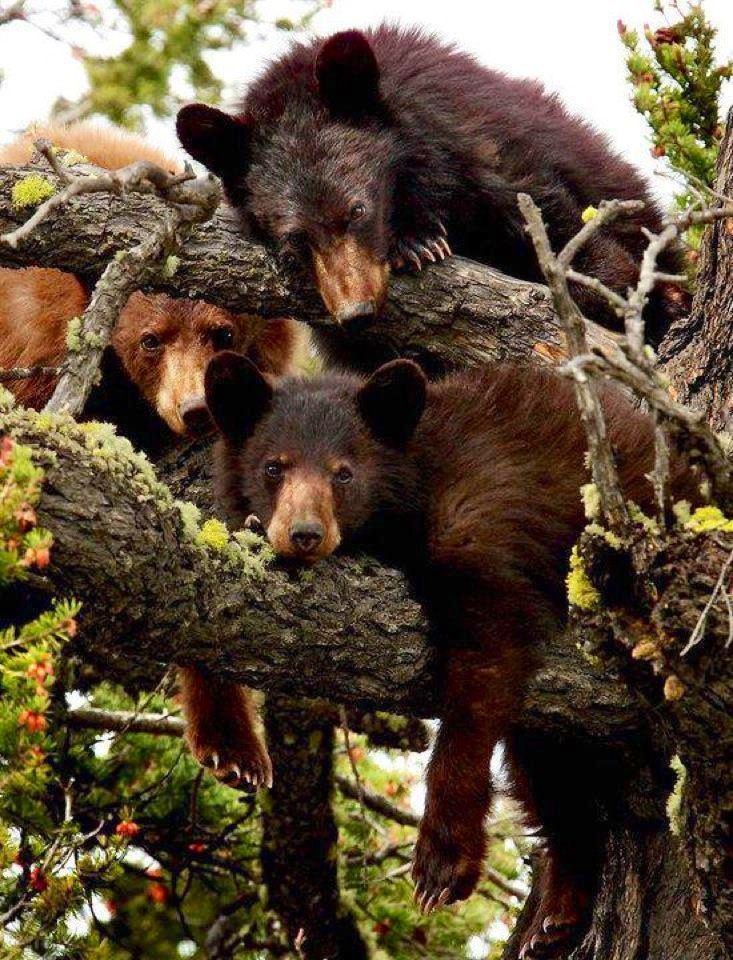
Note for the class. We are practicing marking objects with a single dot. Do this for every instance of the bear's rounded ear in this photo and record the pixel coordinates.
(214, 138)
(392, 401)
(348, 75)
(237, 394)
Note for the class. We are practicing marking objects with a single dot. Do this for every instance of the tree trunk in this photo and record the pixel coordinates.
(698, 354)
(299, 861)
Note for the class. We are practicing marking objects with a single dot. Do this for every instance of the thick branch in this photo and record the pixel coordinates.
(153, 596)
(459, 312)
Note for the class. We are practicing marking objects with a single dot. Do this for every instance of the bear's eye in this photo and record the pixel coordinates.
(357, 211)
(150, 341)
(222, 338)
(343, 475)
(273, 469)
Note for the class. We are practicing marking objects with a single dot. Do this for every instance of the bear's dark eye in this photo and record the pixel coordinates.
(343, 475)
(273, 469)
(357, 211)
(222, 338)
(149, 341)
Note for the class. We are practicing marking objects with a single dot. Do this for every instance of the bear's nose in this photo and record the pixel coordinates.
(195, 414)
(306, 536)
(357, 314)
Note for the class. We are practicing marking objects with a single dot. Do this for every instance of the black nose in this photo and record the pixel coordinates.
(356, 315)
(195, 414)
(306, 536)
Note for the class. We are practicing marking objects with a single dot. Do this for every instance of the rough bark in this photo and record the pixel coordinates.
(299, 862)
(456, 313)
(151, 596)
(698, 354)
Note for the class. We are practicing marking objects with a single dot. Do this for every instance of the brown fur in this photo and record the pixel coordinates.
(348, 274)
(36, 305)
(472, 484)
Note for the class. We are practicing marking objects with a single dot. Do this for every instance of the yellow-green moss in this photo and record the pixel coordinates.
(590, 213)
(71, 158)
(31, 191)
(637, 515)
(214, 534)
(581, 592)
(674, 800)
(709, 518)
(73, 334)
(612, 539)
(170, 266)
(7, 400)
(591, 501)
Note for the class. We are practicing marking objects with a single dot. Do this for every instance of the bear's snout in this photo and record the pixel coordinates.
(306, 536)
(195, 414)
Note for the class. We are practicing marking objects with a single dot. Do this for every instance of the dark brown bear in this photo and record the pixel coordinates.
(472, 485)
(375, 150)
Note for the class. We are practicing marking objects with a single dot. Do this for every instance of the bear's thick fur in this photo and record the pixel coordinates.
(472, 485)
(378, 149)
(152, 386)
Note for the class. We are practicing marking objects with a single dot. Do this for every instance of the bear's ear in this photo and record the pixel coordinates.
(392, 401)
(237, 394)
(348, 75)
(214, 138)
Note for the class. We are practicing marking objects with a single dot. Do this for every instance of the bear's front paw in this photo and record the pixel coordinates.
(412, 251)
(244, 765)
(444, 869)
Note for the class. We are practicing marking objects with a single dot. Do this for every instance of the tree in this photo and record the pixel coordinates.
(222, 589)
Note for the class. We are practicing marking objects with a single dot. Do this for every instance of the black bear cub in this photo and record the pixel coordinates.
(472, 483)
(376, 150)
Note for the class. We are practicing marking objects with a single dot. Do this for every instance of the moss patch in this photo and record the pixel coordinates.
(581, 592)
(31, 191)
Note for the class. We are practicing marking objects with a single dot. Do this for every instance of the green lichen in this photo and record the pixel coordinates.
(637, 515)
(31, 191)
(214, 534)
(72, 158)
(591, 501)
(590, 213)
(170, 267)
(7, 400)
(674, 800)
(611, 538)
(191, 518)
(682, 511)
(709, 518)
(581, 592)
(73, 335)
(95, 340)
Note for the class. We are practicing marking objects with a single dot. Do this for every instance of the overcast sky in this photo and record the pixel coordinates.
(571, 45)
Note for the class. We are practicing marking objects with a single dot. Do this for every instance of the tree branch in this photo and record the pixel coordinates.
(458, 312)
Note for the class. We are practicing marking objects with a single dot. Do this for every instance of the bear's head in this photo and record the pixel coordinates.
(314, 459)
(164, 346)
(313, 177)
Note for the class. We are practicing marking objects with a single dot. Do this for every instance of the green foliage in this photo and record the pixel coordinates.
(168, 39)
(677, 86)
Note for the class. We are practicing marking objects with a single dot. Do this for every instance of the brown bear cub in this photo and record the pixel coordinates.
(153, 374)
(376, 150)
(472, 485)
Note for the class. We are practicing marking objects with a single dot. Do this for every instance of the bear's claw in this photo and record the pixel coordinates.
(243, 768)
(443, 873)
(416, 251)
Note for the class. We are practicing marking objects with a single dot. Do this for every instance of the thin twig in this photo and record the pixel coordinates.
(699, 631)
(26, 373)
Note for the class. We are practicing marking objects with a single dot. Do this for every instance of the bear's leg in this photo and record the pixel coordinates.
(551, 784)
(480, 698)
(220, 730)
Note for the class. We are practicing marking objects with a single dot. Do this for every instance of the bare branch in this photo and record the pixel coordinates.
(604, 468)
(12, 374)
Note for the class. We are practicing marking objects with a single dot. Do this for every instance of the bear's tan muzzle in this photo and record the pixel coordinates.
(351, 281)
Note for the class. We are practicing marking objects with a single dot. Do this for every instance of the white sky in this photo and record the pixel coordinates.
(571, 45)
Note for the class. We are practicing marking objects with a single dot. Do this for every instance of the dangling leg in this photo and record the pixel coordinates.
(557, 803)
(220, 730)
